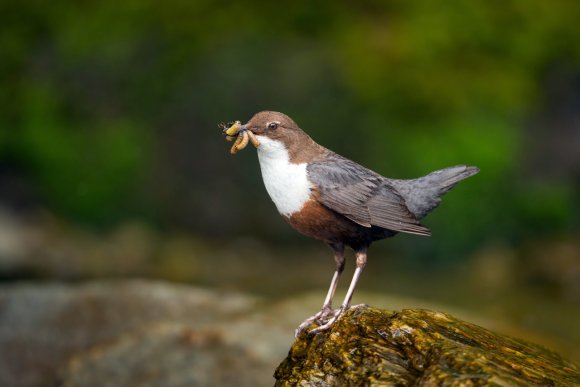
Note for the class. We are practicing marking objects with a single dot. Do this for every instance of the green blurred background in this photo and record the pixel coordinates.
(112, 164)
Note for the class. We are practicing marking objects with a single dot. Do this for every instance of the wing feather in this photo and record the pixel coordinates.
(362, 195)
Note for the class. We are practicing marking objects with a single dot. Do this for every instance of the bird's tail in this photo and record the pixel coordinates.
(424, 193)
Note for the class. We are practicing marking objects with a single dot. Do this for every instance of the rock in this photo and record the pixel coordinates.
(154, 333)
(43, 325)
(167, 355)
(418, 347)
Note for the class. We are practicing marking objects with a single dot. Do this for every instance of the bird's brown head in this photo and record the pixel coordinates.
(272, 132)
(272, 124)
(277, 129)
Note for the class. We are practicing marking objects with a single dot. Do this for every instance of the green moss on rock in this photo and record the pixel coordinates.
(370, 346)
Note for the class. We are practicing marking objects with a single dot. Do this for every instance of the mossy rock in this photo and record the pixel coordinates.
(370, 346)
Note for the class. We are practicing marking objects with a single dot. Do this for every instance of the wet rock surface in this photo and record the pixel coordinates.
(418, 347)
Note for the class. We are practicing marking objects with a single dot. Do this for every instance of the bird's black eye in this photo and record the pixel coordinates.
(272, 125)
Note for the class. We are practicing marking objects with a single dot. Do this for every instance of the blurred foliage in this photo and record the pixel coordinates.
(108, 109)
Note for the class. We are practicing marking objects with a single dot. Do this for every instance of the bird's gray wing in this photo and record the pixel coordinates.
(361, 195)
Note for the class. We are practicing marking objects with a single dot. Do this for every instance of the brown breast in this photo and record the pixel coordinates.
(319, 222)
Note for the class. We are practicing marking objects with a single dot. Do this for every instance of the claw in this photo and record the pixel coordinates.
(339, 312)
(323, 315)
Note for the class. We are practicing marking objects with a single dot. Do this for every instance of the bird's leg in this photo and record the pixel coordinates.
(361, 261)
(339, 260)
(327, 310)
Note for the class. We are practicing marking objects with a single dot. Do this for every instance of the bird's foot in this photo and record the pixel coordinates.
(326, 317)
(325, 313)
(337, 314)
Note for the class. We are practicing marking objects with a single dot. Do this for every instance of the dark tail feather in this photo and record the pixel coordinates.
(448, 177)
(424, 194)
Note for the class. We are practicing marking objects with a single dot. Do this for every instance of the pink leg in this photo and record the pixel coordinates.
(327, 306)
(361, 260)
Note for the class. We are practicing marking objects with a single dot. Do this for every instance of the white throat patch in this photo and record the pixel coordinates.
(286, 183)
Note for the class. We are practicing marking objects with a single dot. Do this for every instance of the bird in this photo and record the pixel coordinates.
(328, 197)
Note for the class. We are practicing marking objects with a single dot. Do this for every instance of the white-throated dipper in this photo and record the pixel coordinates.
(333, 199)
